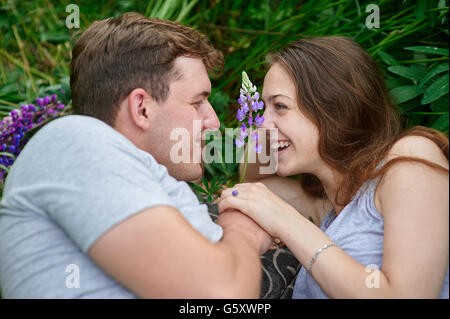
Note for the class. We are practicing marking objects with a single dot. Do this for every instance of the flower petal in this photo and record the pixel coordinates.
(240, 115)
(240, 142)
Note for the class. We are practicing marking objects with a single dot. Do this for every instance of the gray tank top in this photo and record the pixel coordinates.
(358, 230)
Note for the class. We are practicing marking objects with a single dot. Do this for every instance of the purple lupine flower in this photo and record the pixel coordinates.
(255, 136)
(258, 148)
(47, 100)
(259, 120)
(14, 126)
(254, 106)
(240, 115)
(240, 142)
(260, 105)
(245, 107)
(249, 102)
(242, 98)
(243, 131)
(40, 101)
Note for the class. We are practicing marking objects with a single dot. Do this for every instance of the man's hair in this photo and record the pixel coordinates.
(116, 55)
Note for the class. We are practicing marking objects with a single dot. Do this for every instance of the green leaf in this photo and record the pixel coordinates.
(387, 58)
(197, 188)
(8, 154)
(436, 90)
(410, 105)
(8, 88)
(206, 186)
(55, 36)
(440, 105)
(441, 123)
(407, 72)
(429, 50)
(405, 93)
(433, 72)
(421, 6)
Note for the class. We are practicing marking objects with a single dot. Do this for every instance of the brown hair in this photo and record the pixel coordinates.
(116, 55)
(341, 89)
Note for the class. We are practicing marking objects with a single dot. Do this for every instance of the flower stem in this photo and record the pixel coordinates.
(245, 164)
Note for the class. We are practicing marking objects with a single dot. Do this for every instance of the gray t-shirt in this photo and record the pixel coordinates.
(358, 230)
(75, 180)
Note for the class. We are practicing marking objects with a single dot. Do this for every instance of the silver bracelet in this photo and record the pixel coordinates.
(314, 257)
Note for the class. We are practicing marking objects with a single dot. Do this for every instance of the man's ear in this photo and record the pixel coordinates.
(140, 106)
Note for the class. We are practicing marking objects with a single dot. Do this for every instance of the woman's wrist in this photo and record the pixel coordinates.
(282, 226)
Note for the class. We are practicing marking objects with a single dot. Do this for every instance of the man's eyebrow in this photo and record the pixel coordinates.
(203, 94)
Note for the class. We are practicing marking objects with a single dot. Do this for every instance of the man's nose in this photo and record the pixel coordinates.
(211, 120)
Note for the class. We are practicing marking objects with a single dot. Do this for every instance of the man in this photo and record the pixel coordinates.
(88, 210)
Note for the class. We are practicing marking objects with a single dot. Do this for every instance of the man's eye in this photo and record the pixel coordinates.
(197, 104)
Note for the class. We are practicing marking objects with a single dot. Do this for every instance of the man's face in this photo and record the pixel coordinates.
(187, 102)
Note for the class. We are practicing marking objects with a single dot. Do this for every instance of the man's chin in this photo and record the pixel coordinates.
(192, 172)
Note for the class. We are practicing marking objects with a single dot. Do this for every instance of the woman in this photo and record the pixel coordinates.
(386, 234)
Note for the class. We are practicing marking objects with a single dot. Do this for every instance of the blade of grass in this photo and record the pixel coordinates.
(22, 66)
(24, 58)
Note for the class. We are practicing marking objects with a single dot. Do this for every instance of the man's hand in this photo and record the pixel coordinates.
(232, 219)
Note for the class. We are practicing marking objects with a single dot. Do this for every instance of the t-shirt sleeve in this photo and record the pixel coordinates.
(86, 177)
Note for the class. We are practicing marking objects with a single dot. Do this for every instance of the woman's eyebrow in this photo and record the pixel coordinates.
(274, 96)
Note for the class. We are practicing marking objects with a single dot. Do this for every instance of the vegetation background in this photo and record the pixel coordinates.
(410, 45)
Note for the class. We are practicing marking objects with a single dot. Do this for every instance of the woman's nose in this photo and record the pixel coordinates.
(268, 120)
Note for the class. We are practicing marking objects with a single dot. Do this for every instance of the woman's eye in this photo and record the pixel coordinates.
(279, 106)
(197, 104)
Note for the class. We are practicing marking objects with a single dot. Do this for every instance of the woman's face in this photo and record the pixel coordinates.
(294, 129)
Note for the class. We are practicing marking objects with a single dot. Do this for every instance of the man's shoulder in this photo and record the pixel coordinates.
(80, 134)
(76, 126)
(77, 145)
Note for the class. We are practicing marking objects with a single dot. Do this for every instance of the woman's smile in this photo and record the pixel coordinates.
(280, 147)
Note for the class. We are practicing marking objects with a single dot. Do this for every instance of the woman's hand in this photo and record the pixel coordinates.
(259, 203)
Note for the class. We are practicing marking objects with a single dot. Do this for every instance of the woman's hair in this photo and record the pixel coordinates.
(341, 89)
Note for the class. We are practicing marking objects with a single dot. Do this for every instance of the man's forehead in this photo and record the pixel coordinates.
(191, 74)
(189, 65)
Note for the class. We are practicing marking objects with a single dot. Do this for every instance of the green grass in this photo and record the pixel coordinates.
(35, 46)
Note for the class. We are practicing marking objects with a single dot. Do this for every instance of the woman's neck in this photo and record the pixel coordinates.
(330, 180)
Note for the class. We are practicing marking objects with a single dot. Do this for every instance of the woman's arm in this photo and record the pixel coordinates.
(414, 202)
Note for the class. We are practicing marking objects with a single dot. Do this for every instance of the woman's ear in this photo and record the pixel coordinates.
(140, 106)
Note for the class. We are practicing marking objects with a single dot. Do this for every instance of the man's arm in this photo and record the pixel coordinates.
(157, 254)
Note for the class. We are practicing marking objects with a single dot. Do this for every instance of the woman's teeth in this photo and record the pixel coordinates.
(280, 145)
